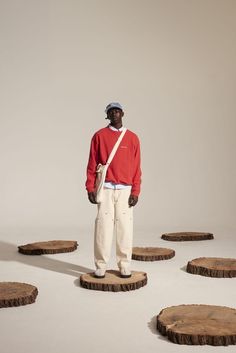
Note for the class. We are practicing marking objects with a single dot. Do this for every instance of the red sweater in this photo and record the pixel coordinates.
(125, 166)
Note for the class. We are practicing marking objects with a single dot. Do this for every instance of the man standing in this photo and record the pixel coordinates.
(120, 194)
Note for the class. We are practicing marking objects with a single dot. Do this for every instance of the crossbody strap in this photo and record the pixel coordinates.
(116, 146)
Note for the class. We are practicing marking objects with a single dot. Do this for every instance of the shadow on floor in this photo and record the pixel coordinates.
(9, 252)
(152, 325)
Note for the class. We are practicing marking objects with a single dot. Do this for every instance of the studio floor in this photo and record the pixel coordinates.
(69, 319)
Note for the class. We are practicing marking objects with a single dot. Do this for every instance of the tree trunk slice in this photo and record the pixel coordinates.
(113, 282)
(152, 254)
(16, 294)
(48, 247)
(213, 267)
(187, 236)
(198, 324)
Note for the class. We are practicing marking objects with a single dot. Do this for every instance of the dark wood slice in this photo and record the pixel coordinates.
(187, 236)
(113, 282)
(198, 324)
(48, 247)
(213, 267)
(16, 294)
(152, 254)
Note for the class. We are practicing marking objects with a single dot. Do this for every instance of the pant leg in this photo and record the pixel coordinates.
(104, 228)
(124, 228)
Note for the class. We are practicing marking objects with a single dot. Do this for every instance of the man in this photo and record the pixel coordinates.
(120, 194)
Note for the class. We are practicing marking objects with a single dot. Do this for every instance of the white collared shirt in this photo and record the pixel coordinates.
(114, 129)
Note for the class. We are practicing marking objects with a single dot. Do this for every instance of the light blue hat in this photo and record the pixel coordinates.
(113, 105)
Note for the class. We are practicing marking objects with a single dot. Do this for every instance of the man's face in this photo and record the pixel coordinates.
(115, 115)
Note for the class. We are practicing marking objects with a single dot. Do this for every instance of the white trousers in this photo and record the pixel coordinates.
(114, 216)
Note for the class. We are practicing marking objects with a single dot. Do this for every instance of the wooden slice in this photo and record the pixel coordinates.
(16, 294)
(213, 267)
(152, 254)
(48, 247)
(198, 324)
(113, 282)
(187, 236)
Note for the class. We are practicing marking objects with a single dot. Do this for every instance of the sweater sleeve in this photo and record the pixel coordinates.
(136, 171)
(92, 164)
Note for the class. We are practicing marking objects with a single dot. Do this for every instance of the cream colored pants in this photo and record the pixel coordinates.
(114, 215)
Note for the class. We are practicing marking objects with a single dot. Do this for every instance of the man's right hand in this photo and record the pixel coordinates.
(92, 197)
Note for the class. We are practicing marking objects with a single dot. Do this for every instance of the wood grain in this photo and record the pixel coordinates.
(187, 236)
(198, 324)
(16, 294)
(152, 253)
(48, 247)
(113, 282)
(213, 267)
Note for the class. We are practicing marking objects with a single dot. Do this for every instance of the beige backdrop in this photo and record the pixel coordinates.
(171, 63)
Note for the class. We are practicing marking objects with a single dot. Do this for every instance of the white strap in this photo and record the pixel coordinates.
(116, 146)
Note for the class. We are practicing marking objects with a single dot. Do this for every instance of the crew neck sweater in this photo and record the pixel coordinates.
(125, 166)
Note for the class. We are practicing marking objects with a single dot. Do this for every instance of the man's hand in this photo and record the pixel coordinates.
(92, 197)
(132, 200)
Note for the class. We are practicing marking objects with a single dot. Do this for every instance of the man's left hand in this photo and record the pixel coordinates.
(133, 199)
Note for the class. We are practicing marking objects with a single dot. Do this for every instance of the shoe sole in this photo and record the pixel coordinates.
(125, 276)
(99, 276)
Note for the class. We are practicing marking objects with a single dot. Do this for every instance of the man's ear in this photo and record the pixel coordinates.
(122, 114)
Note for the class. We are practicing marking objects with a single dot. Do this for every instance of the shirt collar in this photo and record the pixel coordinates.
(114, 129)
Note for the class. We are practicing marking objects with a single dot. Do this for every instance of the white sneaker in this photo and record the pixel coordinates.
(100, 273)
(125, 273)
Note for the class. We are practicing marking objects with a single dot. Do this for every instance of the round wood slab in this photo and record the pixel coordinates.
(213, 267)
(152, 254)
(48, 247)
(16, 294)
(198, 324)
(187, 236)
(113, 282)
